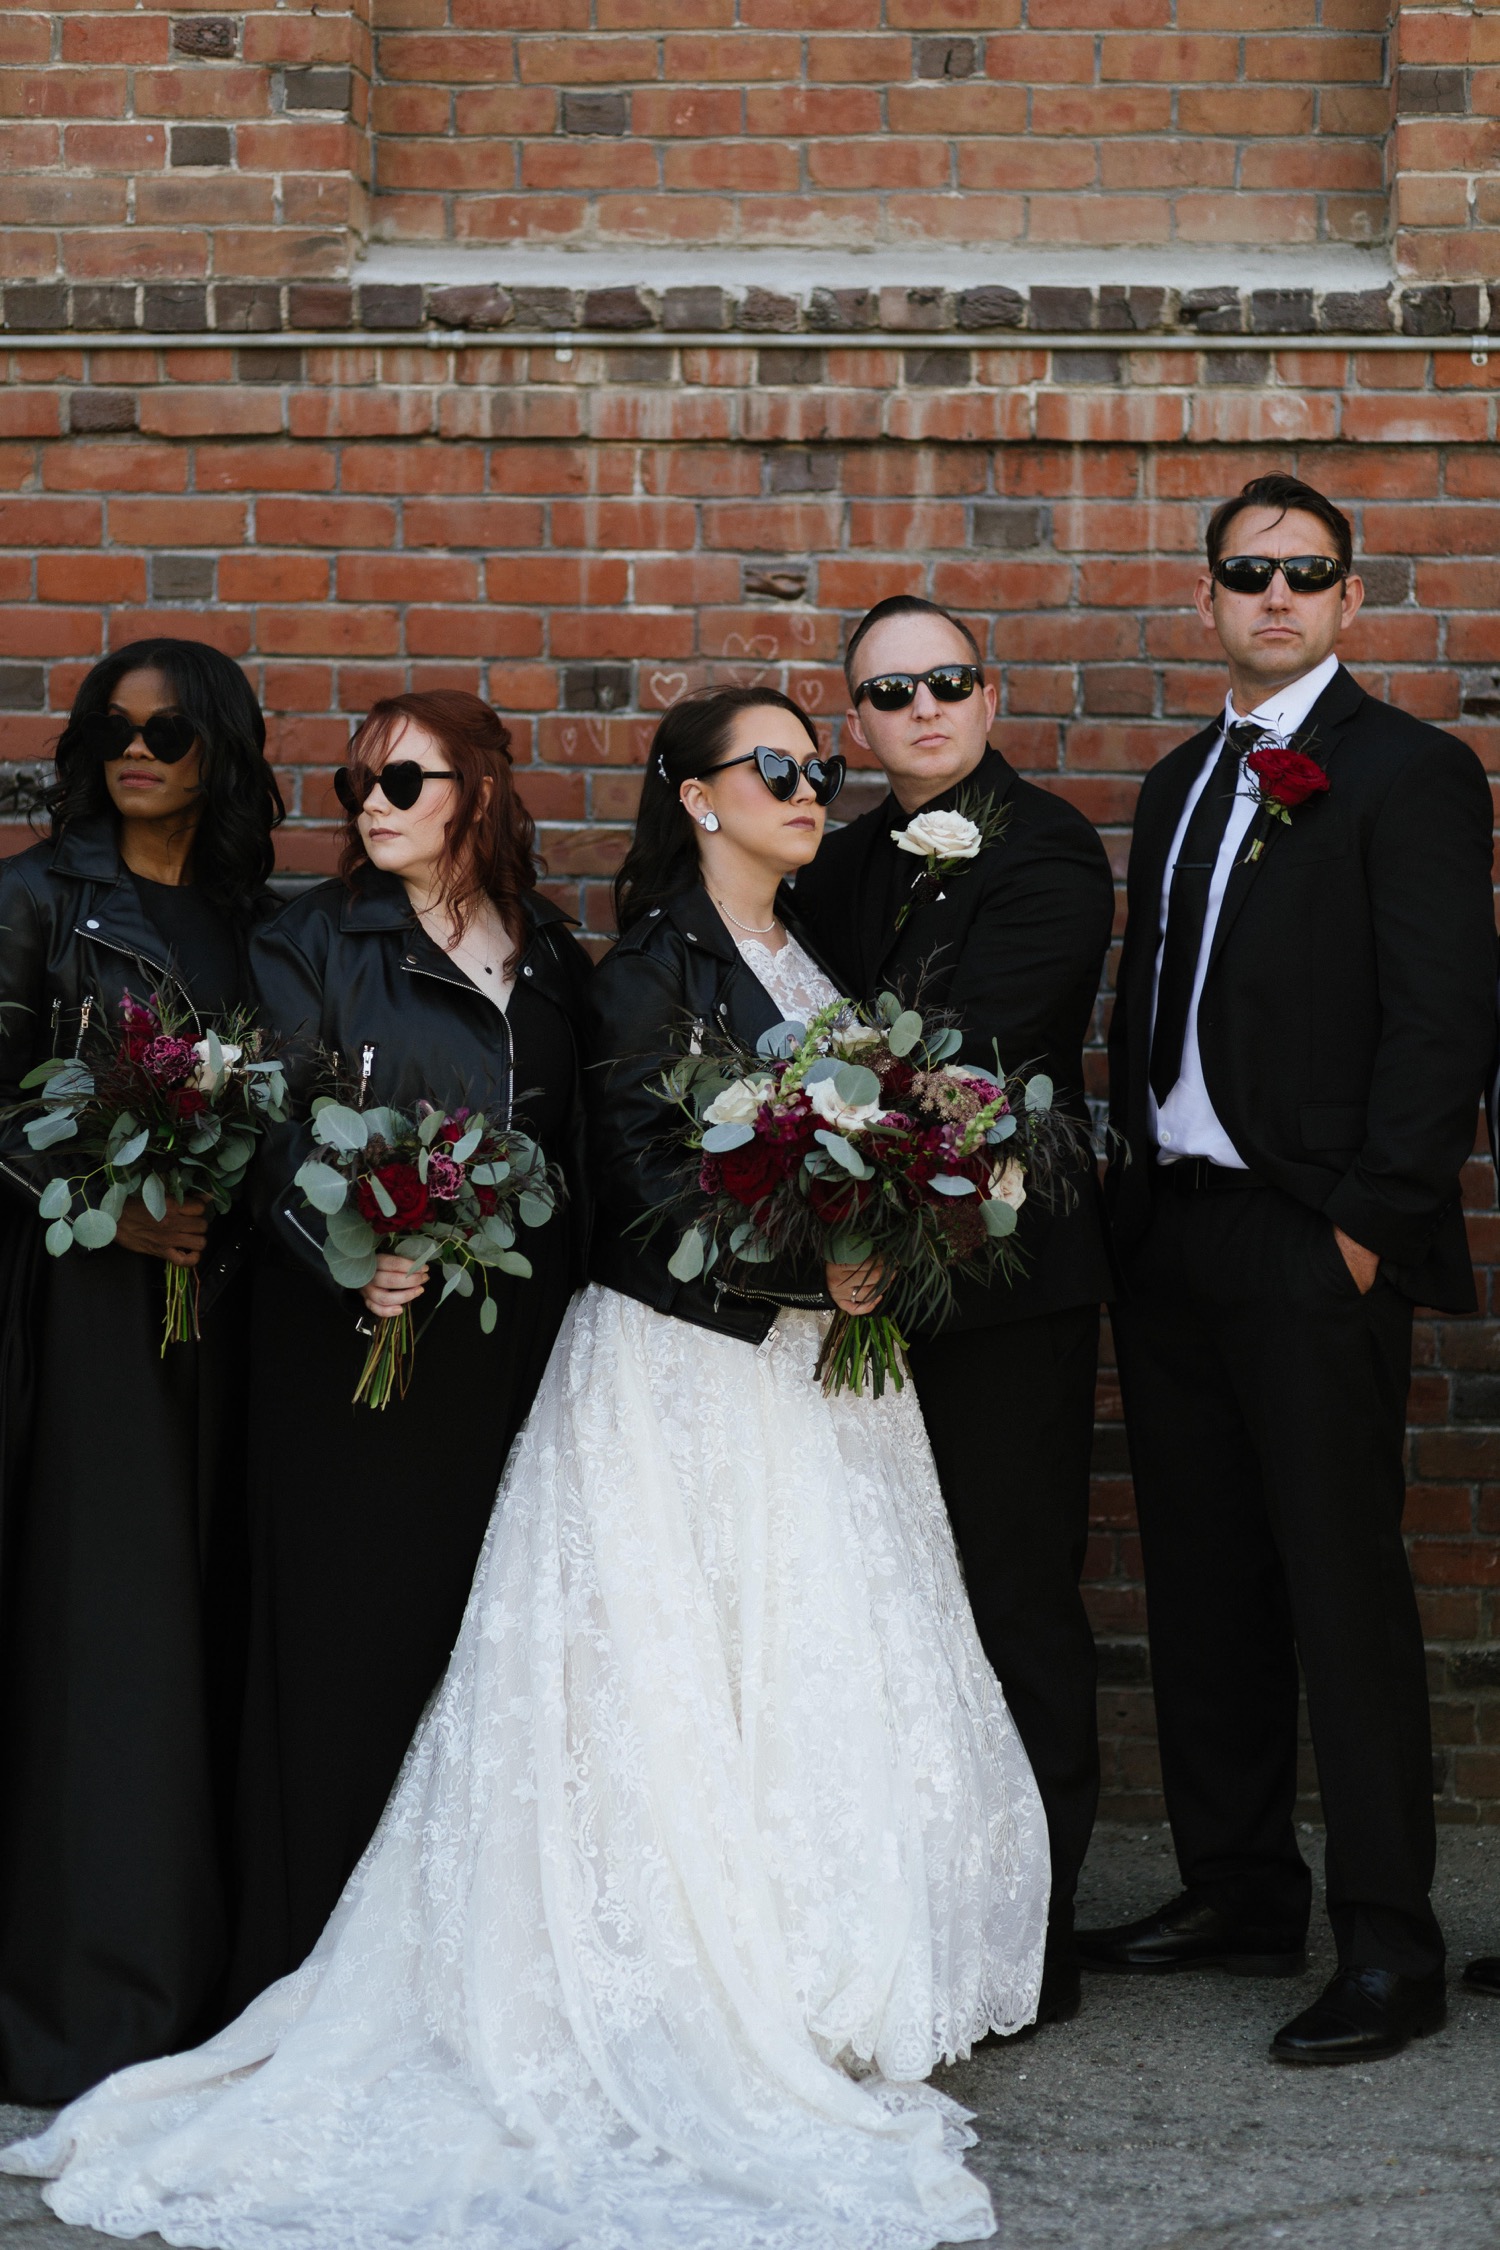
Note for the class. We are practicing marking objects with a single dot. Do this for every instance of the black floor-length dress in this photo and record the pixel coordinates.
(123, 1560)
(366, 1525)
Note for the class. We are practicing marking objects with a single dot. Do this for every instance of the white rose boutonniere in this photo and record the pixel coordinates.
(947, 841)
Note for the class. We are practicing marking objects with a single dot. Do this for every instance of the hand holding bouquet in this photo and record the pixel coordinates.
(434, 1187)
(165, 1108)
(855, 1140)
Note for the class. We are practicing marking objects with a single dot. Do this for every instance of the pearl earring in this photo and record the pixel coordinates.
(710, 821)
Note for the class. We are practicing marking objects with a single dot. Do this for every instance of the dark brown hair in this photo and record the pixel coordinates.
(1282, 493)
(489, 849)
(903, 605)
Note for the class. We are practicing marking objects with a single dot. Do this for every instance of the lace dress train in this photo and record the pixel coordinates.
(715, 1839)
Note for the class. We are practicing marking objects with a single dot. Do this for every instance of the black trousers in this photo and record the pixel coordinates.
(1010, 1413)
(1265, 1402)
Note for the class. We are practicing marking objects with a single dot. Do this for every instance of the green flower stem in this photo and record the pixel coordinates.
(181, 1323)
(388, 1363)
(859, 1345)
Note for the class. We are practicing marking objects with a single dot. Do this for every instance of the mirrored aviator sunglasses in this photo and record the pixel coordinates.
(401, 781)
(892, 691)
(1304, 574)
(168, 735)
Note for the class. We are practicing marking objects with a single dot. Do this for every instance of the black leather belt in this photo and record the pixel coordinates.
(1198, 1175)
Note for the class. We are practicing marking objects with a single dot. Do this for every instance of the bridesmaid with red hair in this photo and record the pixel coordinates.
(434, 956)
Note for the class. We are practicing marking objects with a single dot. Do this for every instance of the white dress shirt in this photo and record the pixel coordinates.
(1185, 1124)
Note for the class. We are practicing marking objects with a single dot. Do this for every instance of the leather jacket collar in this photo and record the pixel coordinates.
(380, 905)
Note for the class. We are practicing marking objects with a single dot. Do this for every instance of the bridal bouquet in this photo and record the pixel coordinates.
(855, 1139)
(163, 1105)
(436, 1186)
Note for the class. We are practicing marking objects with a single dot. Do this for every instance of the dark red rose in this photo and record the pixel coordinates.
(837, 1201)
(750, 1173)
(488, 1199)
(139, 1026)
(1287, 777)
(896, 1079)
(187, 1101)
(454, 1130)
(406, 1189)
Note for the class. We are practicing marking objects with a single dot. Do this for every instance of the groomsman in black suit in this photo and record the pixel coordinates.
(1304, 1023)
(1011, 943)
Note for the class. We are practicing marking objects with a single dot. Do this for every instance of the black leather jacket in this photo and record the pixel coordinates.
(72, 930)
(340, 970)
(675, 968)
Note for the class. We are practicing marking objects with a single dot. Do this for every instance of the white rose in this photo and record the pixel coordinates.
(943, 835)
(844, 1117)
(848, 1036)
(205, 1078)
(738, 1103)
(1007, 1183)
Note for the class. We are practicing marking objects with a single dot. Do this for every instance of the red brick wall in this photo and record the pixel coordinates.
(855, 122)
(579, 538)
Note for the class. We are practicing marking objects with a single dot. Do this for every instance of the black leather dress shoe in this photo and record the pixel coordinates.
(1482, 1975)
(1362, 2015)
(1188, 1934)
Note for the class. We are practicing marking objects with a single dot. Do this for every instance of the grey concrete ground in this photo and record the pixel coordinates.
(1154, 2122)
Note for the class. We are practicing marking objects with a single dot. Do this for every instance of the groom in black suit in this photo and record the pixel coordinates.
(1304, 1022)
(1011, 943)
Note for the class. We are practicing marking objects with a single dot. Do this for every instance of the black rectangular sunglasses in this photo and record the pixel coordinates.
(1304, 574)
(168, 735)
(892, 691)
(400, 778)
(783, 776)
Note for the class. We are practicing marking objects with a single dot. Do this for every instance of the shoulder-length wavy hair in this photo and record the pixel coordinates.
(232, 850)
(489, 848)
(662, 861)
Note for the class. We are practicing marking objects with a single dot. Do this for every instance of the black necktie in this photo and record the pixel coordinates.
(1187, 907)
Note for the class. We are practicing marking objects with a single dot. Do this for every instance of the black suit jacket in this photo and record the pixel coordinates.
(1012, 947)
(1347, 1022)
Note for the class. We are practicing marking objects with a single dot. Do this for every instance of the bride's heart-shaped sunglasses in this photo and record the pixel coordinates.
(783, 776)
(401, 780)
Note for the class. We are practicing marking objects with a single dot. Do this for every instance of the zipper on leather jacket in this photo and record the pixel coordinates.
(724, 1289)
(415, 969)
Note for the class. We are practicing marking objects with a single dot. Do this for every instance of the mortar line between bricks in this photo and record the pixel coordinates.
(721, 339)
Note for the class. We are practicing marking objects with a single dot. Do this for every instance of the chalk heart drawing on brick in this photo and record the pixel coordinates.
(589, 731)
(809, 694)
(667, 687)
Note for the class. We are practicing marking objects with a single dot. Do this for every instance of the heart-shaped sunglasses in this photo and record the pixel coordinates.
(401, 781)
(783, 776)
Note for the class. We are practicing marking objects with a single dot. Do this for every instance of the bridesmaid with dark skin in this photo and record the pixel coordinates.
(121, 1479)
(435, 967)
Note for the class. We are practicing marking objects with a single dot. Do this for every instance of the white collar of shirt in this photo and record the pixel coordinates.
(1287, 709)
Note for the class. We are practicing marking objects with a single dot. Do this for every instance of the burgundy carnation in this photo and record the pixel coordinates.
(403, 1184)
(444, 1178)
(1287, 777)
(171, 1062)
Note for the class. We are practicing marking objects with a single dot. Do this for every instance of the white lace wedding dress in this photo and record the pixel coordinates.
(716, 1837)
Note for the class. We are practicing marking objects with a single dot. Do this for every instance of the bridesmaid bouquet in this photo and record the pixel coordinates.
(436, 1186)
(852, 1139)
(163, 1106)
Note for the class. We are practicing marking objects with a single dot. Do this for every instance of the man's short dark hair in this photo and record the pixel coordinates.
(1282, 493)
(903, 605)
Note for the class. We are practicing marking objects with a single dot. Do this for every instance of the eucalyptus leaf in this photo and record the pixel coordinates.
(339, 1127)
(848, 1247)
(490, 1175)
(154, 1196)
(126, 1154)
(780, 1040)
(999, 1218)
(1039, 1092)
(429, 1127)
(351, 1236)
(121, 1130)
(464, 1148)
(826, 1066)
(497, 1229)
(56, 1200)
(43, 1072)
(944, 1044)
(94, 1229)
(686, 1261)
(457, 1282)
(856, 1085)
(720, 1139)
(888, 1007)
(385, 1202)
(214, 1054)
(57, 1125)
(951, 1183)
(58, 1238)
(1002, 1129)
(349, 1273)
(511, 1261)
(755, 1250)
(843, 1152)
(381, 1123)
(533, 1210)
(115, 1198)
(904, 1032)
(489, 1313)
(234, 1152)
(326, 1190)
(420, 1248)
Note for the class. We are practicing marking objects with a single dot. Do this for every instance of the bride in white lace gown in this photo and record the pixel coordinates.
(717, 1836)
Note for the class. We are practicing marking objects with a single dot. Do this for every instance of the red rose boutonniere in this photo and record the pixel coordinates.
(1282, 777)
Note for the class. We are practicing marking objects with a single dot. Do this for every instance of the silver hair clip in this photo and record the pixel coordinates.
(661, 766)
